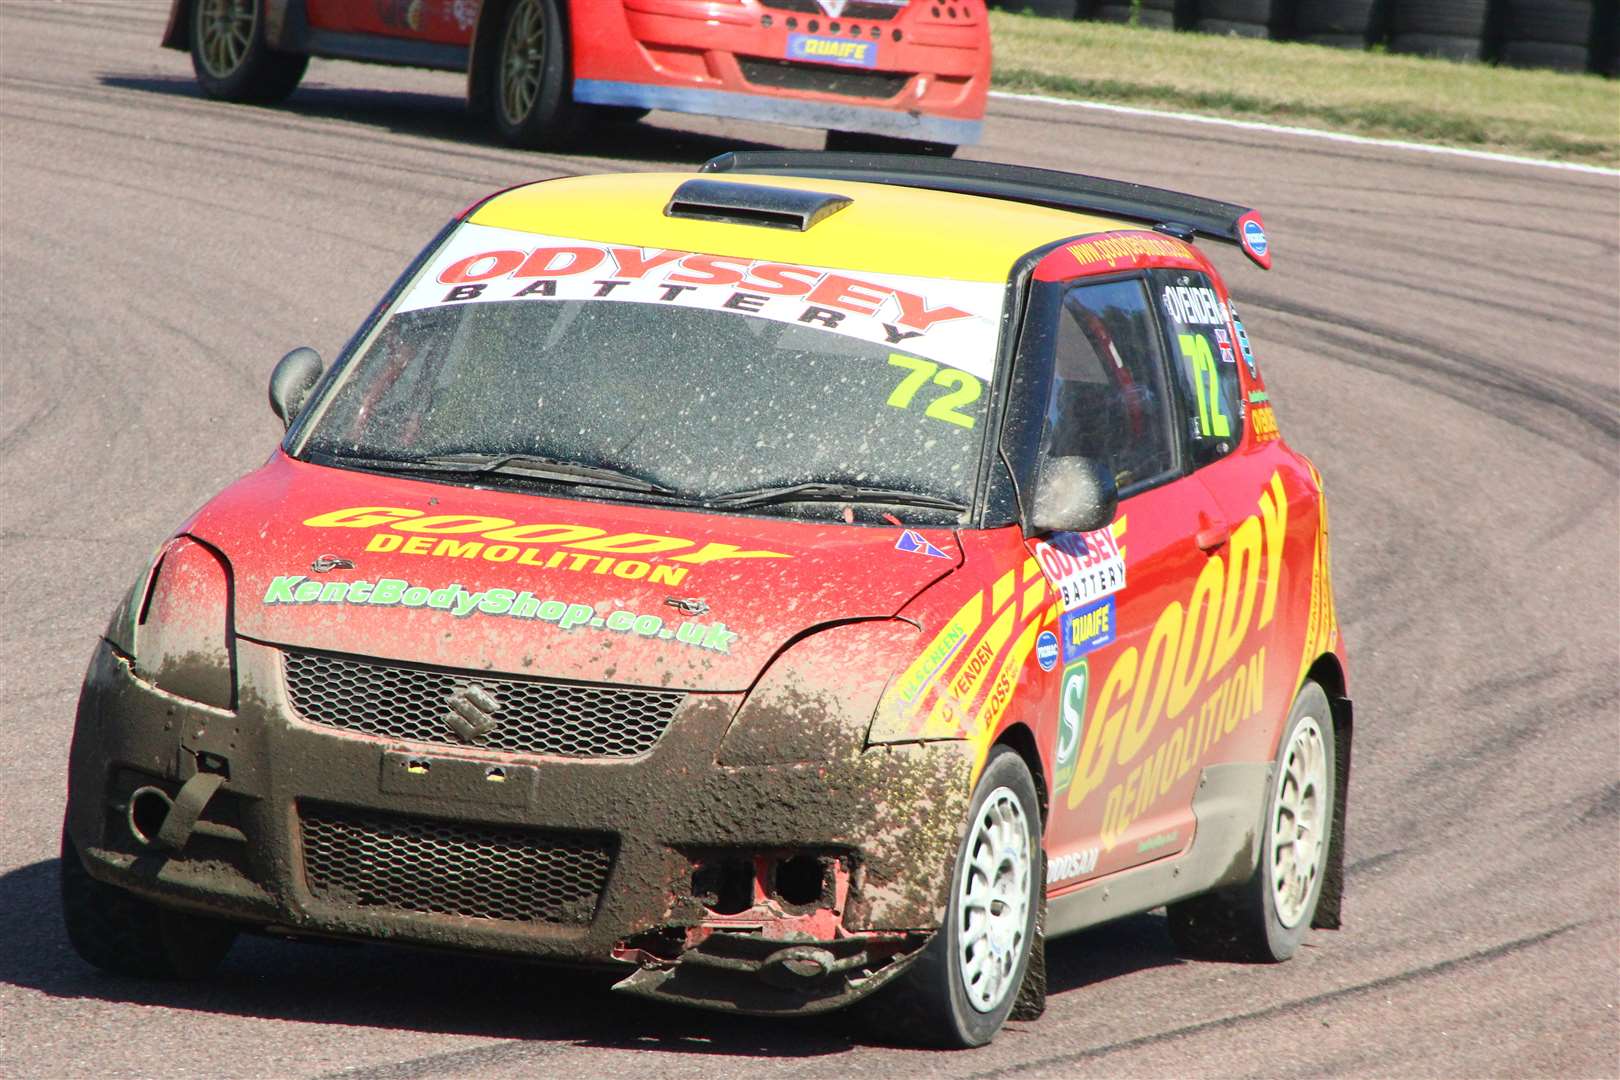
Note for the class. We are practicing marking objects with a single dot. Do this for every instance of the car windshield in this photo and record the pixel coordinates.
(696, 399)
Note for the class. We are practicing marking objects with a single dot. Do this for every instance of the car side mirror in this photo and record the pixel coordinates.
(290, 383)
(1074, 494)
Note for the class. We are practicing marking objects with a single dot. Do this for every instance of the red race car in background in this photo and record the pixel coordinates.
(876, 74)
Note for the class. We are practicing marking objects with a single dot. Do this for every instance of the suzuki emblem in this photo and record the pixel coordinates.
(472, 712)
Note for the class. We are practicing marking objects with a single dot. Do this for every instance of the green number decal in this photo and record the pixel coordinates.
(964, 389)
(921, 371)
(967, 392)
(1206, 385)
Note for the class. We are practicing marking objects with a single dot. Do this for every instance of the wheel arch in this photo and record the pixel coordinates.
(1021, 740)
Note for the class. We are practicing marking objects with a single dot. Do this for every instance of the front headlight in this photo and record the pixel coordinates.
(182, 630)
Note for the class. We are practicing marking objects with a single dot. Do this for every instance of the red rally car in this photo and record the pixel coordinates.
(876, 74)
(741, 582)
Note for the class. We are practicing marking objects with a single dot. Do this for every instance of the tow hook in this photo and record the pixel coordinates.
(157, 821)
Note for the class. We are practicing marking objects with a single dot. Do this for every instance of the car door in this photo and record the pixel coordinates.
(1119, 794)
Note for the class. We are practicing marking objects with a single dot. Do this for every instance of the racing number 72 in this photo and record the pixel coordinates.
(967, 389)
(1206, 385)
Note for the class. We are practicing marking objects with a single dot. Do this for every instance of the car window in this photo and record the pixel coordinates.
(1205, 361)
(1108, 399)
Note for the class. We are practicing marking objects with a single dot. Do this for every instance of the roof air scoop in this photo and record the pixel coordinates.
(753, 204)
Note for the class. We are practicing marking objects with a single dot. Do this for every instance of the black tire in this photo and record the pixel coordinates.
(1232, 28)
(860, 142)
(929, 1004)
(1343, 23)
(534, 100)
(1118, 13)
(235, 64)
(1547, 33)
(1242, 922)
(1446, 46)
(119, 932)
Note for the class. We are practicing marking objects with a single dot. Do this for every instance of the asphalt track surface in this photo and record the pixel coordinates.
(1441, 335)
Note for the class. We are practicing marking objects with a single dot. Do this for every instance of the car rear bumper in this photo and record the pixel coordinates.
(322, 831)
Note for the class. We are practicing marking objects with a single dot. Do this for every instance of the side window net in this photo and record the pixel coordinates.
(1108, 398)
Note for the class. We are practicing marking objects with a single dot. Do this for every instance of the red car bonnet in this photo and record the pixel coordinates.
(351, 562)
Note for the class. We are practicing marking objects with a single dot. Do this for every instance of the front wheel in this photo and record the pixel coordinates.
(230, 57)
(962, 987)
(534, 101)
(1265, 918)
(119, 932)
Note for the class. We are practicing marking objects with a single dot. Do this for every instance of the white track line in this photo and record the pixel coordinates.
(1310, 133)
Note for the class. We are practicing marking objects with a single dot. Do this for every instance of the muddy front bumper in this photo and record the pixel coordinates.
(766, 888)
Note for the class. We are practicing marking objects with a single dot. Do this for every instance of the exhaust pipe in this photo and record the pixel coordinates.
(157, 821)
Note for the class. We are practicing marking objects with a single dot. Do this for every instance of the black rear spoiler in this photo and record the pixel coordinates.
(1043, 187)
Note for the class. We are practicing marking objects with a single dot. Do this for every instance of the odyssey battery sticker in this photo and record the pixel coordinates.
(953, 322)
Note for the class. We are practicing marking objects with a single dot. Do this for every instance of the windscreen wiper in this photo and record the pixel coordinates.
(817, 491)
(524, 465)
(542, 468)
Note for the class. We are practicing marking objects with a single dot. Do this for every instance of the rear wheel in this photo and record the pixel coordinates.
(534, 101)
(230, 57)
(118, 931)
(1265, 918)
(860, 142)
(959, 992)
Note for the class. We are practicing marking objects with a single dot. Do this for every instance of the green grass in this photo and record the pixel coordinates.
(1546, 114)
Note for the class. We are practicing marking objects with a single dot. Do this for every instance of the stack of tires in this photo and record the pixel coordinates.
(1454, 29)
(1345, 24)
(1247, 18)
(1550, 33)
(1573, 35)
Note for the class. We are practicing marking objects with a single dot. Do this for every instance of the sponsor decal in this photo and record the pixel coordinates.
(954, 322)
(1071, 722)
(1191, 654)
(1087, 630)
(829, 50)
(454, 600)
(551, 546)
(1243, 346)
(1322, 623)
(1264, 424)
(465, 12)
(1154, 843)
(1071, 865)
(1113, 250)
(988, 640)
(1046, 650)
(1083, 567)
(1258, 397)
(913, 541)
(1254, 238)
(1194, 305)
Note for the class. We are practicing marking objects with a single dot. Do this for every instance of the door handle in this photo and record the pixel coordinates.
(1213, 536)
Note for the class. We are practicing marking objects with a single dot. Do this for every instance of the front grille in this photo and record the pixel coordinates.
(822, 78)
(397, 701)
(367, 859)
(856, 9)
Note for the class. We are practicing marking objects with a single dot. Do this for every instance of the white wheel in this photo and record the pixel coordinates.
(962, 986)
(1299, 823)
(1265, 918)
(992, 901)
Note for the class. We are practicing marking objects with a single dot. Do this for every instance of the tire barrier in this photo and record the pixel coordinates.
(1345, 24)
(1246, 18)
(1547, 33)
(1570, 35)
(1454, 29)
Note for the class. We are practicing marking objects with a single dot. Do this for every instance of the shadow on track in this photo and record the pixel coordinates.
(445, 117)
(456, 994)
